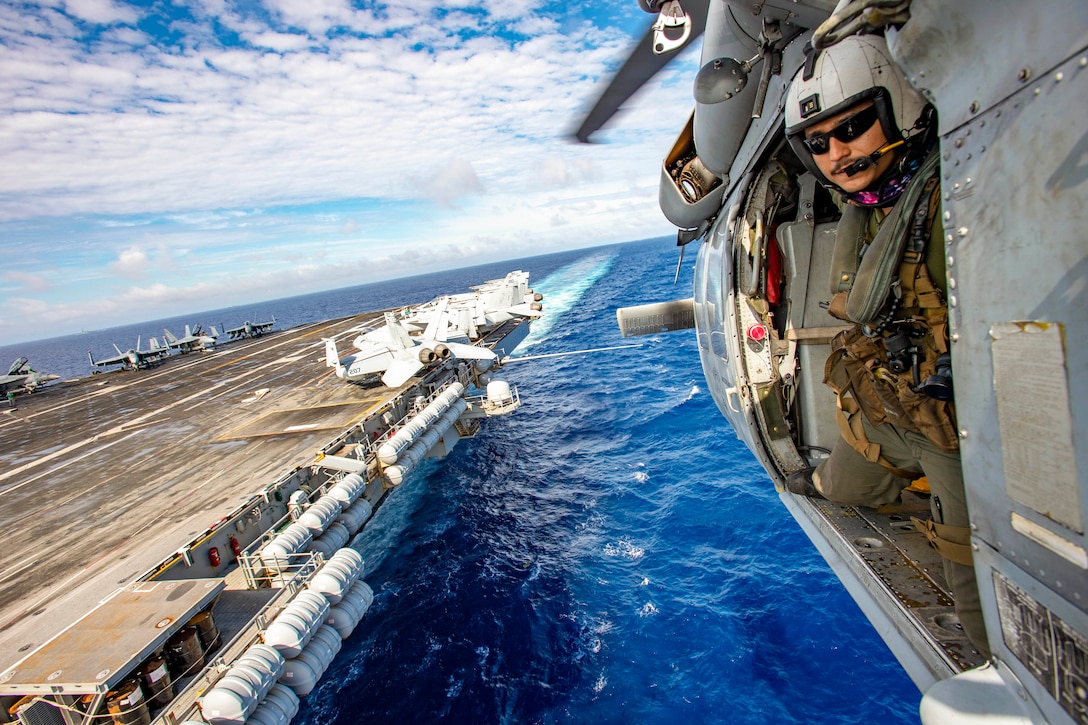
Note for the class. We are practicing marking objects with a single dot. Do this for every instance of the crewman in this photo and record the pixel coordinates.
(857, 124)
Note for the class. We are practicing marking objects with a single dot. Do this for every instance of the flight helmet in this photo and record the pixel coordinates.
(857, 68)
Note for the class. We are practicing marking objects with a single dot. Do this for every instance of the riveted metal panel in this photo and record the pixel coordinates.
(1034, 421)
(1040, 638)
(973, 54)
(1015, 188)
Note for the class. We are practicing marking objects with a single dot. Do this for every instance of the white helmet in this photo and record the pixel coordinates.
(857, 68)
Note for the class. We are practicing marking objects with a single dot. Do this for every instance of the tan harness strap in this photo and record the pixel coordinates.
(951, 542)
(852, 430)
(916, 285)
(815, 335)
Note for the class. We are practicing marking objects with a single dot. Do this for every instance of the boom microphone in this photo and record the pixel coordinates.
(866, 161)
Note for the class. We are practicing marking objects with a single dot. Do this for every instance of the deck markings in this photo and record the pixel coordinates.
(129, 423)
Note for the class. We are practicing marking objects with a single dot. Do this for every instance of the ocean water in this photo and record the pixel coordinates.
(610, 553)
(67, 355)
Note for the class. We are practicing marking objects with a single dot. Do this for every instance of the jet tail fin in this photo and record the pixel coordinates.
(398, 337)
(170, 336)
(332, 359)
(436, 328)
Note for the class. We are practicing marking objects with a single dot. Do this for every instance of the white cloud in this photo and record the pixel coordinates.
(509, 9)
(279, 42)
(102, 12)
(25, 281)
(132, 262)
(435, 125)
(454, 181)
(316, 16)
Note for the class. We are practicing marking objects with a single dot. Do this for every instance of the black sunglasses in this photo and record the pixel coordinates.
(847, 130)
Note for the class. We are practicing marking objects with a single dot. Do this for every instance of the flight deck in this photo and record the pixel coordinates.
(135, 500)
(104, 477)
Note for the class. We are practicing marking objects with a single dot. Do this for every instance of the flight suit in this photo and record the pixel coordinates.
(849, 477)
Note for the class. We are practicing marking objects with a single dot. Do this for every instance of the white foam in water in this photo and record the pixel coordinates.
(625, 549)
(562, 290)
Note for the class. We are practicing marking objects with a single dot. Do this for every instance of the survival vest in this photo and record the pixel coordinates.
(877, 367)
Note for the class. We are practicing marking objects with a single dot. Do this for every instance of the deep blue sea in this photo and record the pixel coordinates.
(610, 553)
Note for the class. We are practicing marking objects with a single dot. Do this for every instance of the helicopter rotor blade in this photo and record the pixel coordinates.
(641, 65)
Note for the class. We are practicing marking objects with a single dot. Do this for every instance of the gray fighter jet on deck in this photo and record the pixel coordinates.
(397, 356)
(135, 358)
(194, 339)
(249, 329)
(21, 375)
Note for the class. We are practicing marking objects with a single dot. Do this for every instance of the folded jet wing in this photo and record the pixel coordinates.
(391, 351)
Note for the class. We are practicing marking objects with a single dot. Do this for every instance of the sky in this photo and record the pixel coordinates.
(162, 158)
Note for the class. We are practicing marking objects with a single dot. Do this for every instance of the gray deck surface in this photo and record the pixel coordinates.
(103, 478)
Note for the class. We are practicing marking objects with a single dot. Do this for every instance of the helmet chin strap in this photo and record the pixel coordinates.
(867, 161)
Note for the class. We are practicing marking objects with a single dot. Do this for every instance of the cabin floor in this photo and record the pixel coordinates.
(882, 552)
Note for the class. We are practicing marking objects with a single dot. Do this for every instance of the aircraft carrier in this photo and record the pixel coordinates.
(162, 525)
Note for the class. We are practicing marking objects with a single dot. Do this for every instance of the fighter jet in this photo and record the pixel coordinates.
(249, 329)
(135, 358)
(391, 351)
(21, 375)
(474, 313)
(192, 340)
